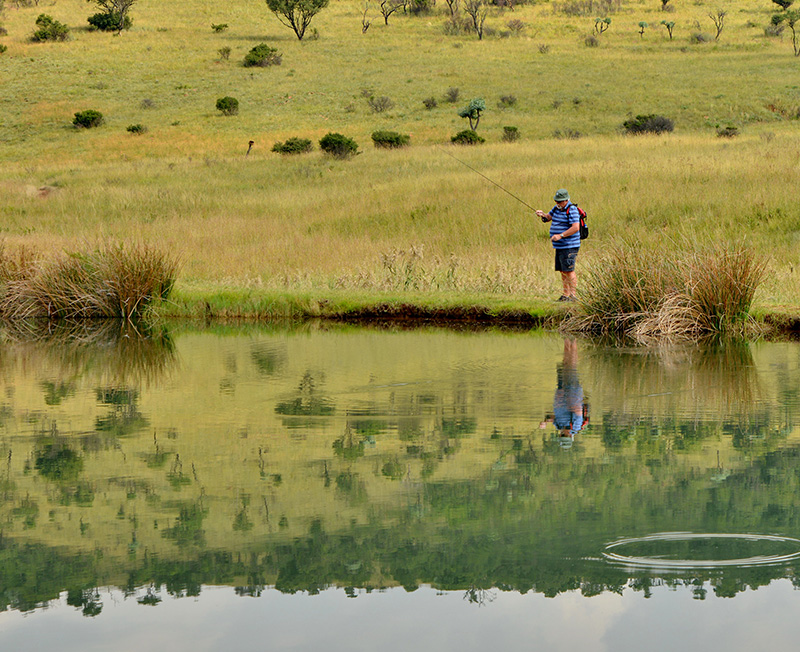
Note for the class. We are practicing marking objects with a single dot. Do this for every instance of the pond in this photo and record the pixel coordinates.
(288, 488)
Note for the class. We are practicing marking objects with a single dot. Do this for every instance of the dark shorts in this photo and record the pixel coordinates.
(565, 259)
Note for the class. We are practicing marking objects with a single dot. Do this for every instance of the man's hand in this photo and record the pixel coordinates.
(545, 217)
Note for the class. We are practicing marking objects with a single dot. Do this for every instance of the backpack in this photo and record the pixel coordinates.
(584, 228)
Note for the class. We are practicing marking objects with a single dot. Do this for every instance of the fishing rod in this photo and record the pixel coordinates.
(524, 203)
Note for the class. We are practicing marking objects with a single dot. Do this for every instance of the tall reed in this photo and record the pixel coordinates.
(112, 282)
(631, 292)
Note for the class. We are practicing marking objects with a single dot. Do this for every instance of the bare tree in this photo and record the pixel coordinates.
(477, 10)
(718, 19)
(452, 6)
(364, 22)
(388, 7)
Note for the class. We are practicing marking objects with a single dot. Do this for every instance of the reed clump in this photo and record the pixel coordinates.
(632, 293)
(114, 281)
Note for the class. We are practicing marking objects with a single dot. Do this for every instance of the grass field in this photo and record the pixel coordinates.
(414, 220)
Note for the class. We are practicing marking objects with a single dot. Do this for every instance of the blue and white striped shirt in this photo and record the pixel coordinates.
(562, 219)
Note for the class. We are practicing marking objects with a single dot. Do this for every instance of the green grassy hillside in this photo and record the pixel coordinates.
(410, 220)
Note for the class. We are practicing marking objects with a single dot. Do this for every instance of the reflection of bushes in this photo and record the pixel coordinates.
(58, 463)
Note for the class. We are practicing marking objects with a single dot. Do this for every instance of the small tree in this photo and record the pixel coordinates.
(642, 27)
(670, 25)
(792, 19)
(296, 14)
(718, 18)
(473, 112)
(118, 9)
(664, 5)
(477, 10)
(601, 25)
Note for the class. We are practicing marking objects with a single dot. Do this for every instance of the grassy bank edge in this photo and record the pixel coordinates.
(407, 308)
(256, 304)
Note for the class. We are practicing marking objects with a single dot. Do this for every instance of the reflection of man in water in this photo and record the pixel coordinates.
(568, 400)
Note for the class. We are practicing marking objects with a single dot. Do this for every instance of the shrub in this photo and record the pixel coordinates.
(136, 129)
(544, 48)
(430, 103)
(591, 41)
(88, 119)
(338, 146)
(727, 132)
(452, 95)
(49, 30)
(228, 105)
(147, 103)
(510, 134)
(700, 37)
(455, 26)
(648, 124)
(262, 55)
(3, 48)
(516, 26)
(3, 30)
(390, 139)
(379, 104)
(221, 27)
(293, 146)
(567, 134)
(224, 53)
(109, 22)
(507, 100)
(467, 137)
(419, 7)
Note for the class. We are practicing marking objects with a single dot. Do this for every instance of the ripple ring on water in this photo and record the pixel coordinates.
(678, 564)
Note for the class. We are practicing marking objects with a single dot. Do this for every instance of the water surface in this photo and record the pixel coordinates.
(268, 488)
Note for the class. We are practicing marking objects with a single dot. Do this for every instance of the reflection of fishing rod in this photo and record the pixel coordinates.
(488, 179)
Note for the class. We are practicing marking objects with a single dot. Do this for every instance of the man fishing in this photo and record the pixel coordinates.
(565, 225)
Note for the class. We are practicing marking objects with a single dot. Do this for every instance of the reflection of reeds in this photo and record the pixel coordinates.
(122, 351)
(647, 297)
(114, 281)
(710, 381)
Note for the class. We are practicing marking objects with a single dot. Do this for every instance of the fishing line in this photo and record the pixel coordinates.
(488, 179)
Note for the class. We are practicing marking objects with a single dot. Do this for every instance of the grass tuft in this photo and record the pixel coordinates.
(631, 293)
(112, 282)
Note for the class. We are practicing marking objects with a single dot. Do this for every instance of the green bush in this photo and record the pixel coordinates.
(228, 105)
(109, 22)
(338, 146)
(221, 27)
(293, 146)
(510, 134)
(136, 129)
(648, 124)
(49, 30)
(390, 139)
(262, 55)
(88, 119)
(430, 103)
(3, 48)
(727, 132)
(467, 137)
